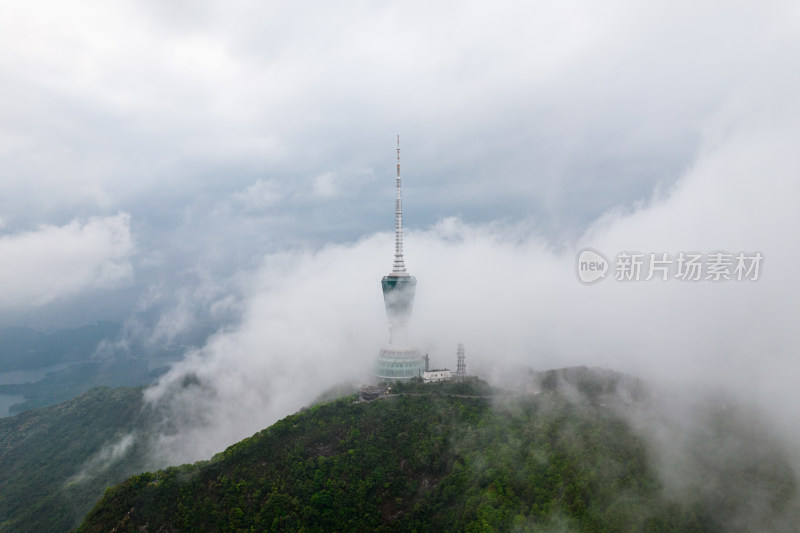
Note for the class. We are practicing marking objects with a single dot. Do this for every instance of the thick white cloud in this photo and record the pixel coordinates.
(55, 262)
(316, 318)
(231, 128)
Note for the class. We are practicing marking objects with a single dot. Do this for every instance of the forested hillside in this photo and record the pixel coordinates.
(439, 457)
(56, 461)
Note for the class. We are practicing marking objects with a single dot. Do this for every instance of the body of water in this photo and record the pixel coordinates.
(6, 401)
(31, 376)
(14, 377)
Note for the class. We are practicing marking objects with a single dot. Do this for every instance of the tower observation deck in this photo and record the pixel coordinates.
(398, 361)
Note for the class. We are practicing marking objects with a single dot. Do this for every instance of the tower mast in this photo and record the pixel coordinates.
(399, 264)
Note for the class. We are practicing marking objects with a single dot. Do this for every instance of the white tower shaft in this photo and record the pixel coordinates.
(399, 264)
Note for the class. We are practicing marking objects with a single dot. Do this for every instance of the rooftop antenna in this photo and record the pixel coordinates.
(399, 264)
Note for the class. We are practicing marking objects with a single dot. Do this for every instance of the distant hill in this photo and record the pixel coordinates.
(56, 461)
(77, 368)
(25, 349)
(61, 385)
(465, 457)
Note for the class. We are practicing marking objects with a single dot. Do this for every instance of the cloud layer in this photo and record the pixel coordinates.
(224, 125)
(55, 262)
(315, 318)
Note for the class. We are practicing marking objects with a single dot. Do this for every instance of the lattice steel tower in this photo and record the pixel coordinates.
(461, 369)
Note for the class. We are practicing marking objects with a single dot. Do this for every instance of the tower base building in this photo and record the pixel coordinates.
(398, 363)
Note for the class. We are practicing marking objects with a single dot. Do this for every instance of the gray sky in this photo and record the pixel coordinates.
(199, 136)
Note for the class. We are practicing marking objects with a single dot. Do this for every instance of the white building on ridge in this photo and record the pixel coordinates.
(429, 376)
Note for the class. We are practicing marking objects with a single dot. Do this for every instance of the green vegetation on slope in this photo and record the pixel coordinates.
(44, 451)
(443, 461)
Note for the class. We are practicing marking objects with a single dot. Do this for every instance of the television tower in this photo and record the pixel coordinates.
(398, 360)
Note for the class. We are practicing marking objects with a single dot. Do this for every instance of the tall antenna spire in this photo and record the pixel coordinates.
(399, 264)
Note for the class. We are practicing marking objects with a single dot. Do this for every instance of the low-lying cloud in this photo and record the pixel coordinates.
(53, 262)
(315, 318)
(104, 458)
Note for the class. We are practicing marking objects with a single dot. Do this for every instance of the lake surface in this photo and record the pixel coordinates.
(14, 377)
(6, 401)
(31, 376)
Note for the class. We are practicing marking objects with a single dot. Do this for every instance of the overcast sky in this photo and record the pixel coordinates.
(184, 141)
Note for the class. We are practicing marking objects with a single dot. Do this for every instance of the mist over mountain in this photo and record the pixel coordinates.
(469, 457)
(576, 448)
(218, 180)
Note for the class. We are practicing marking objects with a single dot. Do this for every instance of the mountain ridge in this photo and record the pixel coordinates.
(430, 457)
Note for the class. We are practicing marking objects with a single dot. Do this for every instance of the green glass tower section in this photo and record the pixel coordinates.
(399, 360)
(398, 297)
